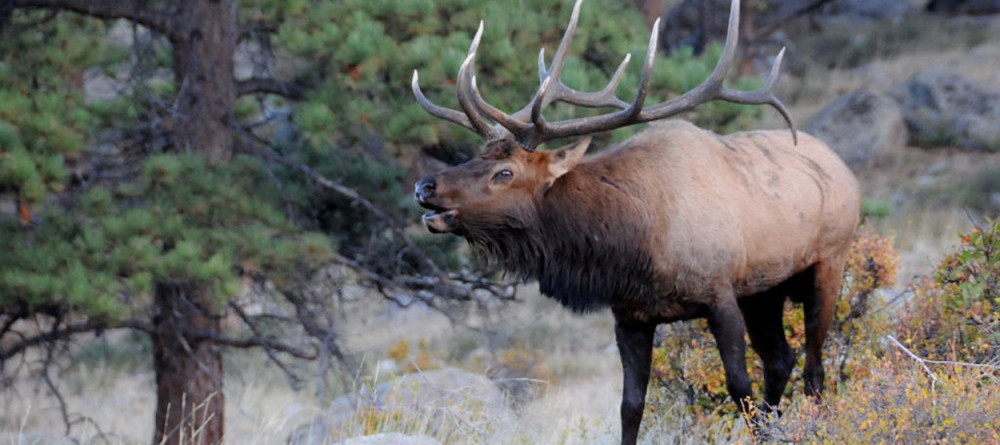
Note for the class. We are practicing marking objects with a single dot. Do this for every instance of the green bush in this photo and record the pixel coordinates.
(956, 315)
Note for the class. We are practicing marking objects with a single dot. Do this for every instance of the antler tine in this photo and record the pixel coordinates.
(467, 95)
(536, 106)
(514, 126)
(606, 97)
(711, 89)
(647, 70)
(765, 95)
(438, 111)
(554, 70)
(560, 92)
(559, 59)
(529, 127)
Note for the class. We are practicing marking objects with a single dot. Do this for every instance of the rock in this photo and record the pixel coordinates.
(860, 126)
(429, 400)
(391, 439)
(443, 388)
(944, 108)
(970, 7)
(868, 9)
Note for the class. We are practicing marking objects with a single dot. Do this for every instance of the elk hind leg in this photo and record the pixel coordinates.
(763, 314)
(725, 320)
(819, 305)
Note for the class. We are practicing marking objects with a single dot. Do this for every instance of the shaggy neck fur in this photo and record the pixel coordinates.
(586, 247)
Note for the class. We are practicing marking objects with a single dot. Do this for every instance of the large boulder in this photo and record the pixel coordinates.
(860, 126)
(431, 401)
(945, 108)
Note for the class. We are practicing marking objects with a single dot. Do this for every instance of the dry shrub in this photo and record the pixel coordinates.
(899, 403)
(861, 321)
(413, 361)
(520, 373)
(943, 387)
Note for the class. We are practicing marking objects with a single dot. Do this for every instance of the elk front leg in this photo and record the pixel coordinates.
(635, 344)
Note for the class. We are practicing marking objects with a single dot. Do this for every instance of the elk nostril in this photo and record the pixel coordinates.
(425, 188)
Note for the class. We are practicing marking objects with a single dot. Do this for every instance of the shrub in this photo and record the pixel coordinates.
(898, 404)
(956, 315)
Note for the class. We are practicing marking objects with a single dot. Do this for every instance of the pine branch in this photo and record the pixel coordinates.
(270, 86)
(134, 10)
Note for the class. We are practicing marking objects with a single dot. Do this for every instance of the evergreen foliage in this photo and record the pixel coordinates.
(181, 221)
(44, 121)
(362, 55)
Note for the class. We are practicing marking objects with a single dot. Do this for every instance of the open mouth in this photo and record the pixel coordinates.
(440, 219)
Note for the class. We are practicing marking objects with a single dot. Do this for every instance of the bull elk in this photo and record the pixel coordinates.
(673, 224)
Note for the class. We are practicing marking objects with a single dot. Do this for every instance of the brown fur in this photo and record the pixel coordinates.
(648, 226)
(672, 224)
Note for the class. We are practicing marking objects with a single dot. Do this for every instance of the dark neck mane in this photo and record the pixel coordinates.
(587, 248)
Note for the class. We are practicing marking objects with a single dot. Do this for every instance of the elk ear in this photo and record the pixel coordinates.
(565, 158)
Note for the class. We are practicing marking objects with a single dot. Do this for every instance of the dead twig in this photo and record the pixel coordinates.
(922, 361)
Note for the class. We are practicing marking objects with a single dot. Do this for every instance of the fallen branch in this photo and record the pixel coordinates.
(943, 362)
(922, 361)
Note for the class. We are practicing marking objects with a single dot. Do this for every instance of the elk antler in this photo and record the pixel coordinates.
(530, 128)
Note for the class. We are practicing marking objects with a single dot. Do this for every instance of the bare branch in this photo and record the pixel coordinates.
(270, 86)
(395, 225)
(295, 380)
(923, 361)
(252, 342)
(135, 10)
(47, 378)
(70, 330)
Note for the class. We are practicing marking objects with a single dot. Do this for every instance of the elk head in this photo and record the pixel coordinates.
(501, 187)
(496, 191)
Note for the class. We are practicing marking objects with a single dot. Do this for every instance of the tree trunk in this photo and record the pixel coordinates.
(204, 40)
(189, 399)
(203, 35)
(189, 375)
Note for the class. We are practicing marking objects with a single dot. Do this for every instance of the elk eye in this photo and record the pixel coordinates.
(504, 175)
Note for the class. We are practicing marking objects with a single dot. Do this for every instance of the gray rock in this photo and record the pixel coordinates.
(970, 7)
(432, 399)
(869, 9)
(944, 108)
(391, 439)
(860, 126)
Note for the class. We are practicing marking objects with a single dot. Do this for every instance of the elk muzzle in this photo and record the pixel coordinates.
(441, 219)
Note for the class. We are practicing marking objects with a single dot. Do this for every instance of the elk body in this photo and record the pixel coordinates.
(673, 224)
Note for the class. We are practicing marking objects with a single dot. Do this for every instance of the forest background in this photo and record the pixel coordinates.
(207, 232)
